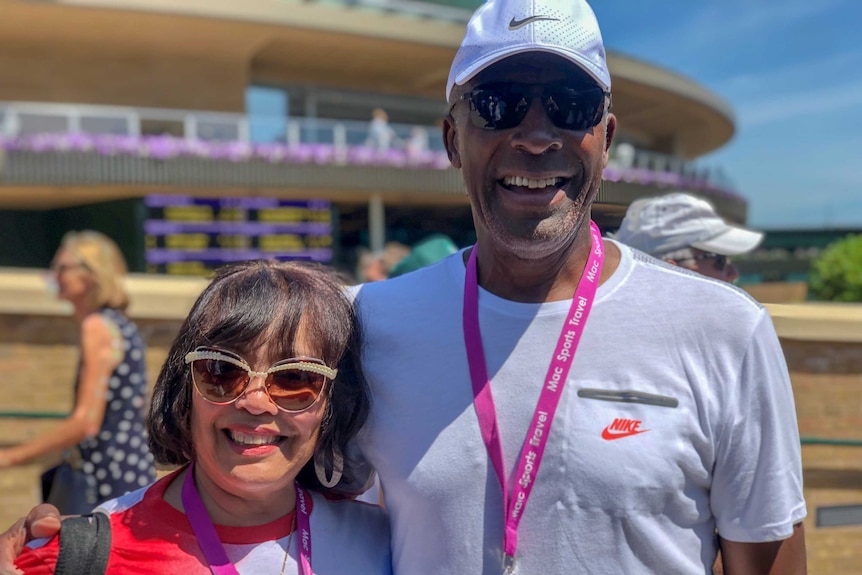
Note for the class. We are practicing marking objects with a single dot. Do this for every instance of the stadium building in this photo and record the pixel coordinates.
(202, 131)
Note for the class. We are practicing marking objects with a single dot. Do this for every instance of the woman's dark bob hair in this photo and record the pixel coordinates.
(255, 303)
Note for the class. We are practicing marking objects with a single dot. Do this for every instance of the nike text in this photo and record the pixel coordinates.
(622, 428)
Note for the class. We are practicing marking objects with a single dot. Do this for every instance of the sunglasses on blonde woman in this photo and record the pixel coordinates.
(59, 269)
(293, 384)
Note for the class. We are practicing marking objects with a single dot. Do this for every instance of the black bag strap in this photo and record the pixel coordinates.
(85, 543)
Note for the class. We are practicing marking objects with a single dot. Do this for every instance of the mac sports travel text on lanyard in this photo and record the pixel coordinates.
(208, 539)
(537, 434)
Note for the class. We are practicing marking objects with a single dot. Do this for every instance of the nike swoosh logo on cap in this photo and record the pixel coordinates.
(515, 24)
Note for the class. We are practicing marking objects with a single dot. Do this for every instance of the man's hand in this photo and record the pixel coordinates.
(42, 521)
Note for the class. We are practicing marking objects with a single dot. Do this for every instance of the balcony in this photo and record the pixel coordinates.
(454, 10)
(70, 145)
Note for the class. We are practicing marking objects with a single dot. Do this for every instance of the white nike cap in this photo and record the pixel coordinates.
(503, 28)
(665, 224)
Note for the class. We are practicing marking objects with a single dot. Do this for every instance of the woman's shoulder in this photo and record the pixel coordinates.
(116, 317)
(99, 332)
(107, 322)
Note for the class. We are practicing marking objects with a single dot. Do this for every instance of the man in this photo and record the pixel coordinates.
(686, 231)
(623, 425)
(673, 421)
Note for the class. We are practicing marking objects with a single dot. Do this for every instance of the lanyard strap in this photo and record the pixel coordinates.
(303, 525)
(537, 434)
(208, 539)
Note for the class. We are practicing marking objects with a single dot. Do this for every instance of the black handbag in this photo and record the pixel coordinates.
(72, 491)
(85, 544)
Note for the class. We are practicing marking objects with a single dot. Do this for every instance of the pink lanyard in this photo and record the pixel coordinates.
(208, 539)
(555, 380)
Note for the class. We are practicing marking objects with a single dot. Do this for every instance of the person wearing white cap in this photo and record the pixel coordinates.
(685, 230)
(549, 402)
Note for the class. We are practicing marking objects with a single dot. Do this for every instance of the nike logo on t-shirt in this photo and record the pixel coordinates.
(622, 428)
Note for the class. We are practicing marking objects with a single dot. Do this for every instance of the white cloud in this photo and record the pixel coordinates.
(778, 107)
(759, 16)
(793, 75)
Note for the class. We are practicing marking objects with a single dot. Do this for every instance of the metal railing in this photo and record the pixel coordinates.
(828, 441)
(455, 10)
(35, 414)
(36, 126)
(831, 441)
(21, 119)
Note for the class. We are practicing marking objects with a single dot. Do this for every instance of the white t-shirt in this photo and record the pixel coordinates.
(726, 457)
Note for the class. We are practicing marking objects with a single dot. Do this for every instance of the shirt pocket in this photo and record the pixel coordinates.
(635, 449)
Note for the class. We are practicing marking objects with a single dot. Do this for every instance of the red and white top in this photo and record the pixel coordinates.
(149, 536)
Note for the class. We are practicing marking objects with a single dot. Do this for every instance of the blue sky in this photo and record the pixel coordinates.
(792, 72)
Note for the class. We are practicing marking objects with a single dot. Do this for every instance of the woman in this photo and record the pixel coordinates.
(104, 436)
(259, 395)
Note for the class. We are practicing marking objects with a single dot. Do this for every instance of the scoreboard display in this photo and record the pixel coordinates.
(192, 236)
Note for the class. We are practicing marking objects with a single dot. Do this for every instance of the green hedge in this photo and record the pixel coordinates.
(836, 275)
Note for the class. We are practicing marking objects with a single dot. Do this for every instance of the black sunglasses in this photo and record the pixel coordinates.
(501, 106)
(721, 261)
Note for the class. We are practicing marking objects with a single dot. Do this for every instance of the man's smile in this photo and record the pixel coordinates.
(532, 183)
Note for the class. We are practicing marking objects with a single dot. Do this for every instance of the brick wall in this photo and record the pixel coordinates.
(38, 357)
(827, 383)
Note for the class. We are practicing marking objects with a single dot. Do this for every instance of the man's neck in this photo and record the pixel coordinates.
(552, 278)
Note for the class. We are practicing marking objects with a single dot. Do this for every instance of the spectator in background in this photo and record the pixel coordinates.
(370, 267)
(380, 133)
(103, 438)
(623, 155)
(686, 231)
(417, 144)
(375, 266)
(428, 251)
(393, 253)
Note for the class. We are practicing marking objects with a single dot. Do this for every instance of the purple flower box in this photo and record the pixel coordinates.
(170, 147)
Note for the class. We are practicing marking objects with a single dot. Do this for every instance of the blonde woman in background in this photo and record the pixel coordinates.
(103, 439)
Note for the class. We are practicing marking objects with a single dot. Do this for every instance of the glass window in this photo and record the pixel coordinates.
(267, 110)
(215, 130)
(43, 124)
(105, 125)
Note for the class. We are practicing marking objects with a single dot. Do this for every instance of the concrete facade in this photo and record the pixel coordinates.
(201, 55)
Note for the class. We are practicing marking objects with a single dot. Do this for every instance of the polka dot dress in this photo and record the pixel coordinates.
(118, 456)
